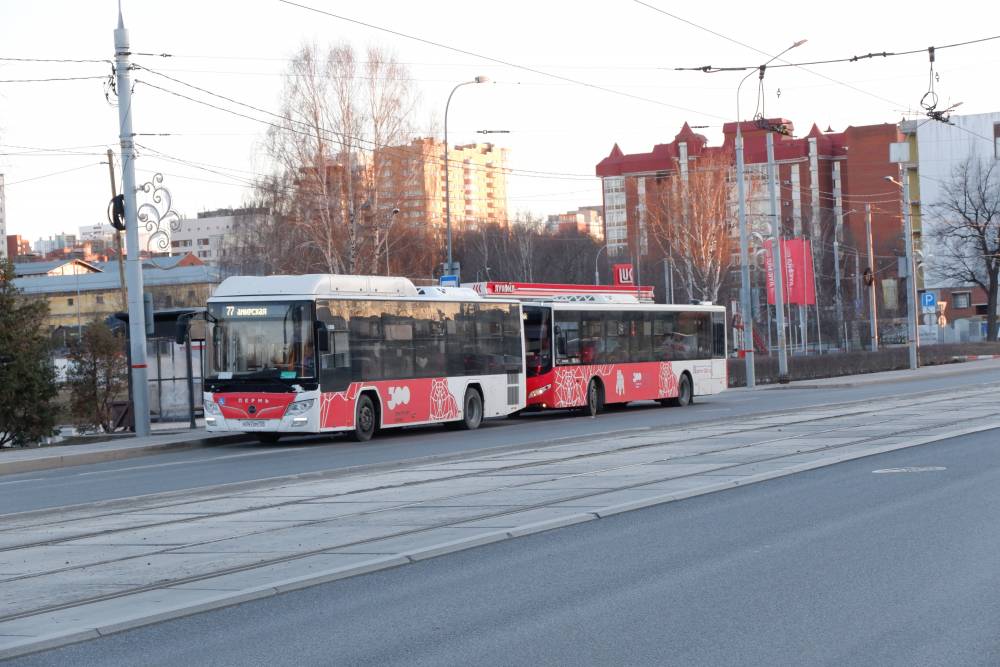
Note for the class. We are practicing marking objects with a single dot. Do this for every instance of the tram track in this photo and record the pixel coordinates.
(153, 509)
(486, 514)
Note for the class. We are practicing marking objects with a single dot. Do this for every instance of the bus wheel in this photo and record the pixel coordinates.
(364, 420)
(685, 395)
(268, 438)
(595, 398)
(472, 410)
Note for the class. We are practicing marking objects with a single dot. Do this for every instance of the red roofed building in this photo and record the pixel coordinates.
(824, 178)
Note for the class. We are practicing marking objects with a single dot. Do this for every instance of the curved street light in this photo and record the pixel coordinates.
(745, 242)
(449, 270)
(597, 274)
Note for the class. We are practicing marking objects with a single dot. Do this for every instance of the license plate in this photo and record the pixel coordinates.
(253, 423)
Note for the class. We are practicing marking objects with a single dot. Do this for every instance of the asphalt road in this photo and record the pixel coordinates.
(237, 463)
(836, 566)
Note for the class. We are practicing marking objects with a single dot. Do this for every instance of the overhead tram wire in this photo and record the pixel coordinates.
(709, 69)
(753, 48)
(499, 61)
(335, 138)
(55, 173)
(54, 79)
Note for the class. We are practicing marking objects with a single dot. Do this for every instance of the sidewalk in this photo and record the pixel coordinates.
(123, 447)
(885, 377)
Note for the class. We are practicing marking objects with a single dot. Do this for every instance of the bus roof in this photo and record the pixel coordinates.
(311, 286)
(629, 307)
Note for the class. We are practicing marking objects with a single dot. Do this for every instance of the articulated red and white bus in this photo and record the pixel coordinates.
(327, 353)
(591, 346)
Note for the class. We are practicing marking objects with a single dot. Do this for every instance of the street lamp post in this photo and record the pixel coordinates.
(744, 232)
(597, 274)
(449, 270)
(911, 278)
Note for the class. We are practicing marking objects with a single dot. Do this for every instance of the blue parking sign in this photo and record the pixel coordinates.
(928, 300)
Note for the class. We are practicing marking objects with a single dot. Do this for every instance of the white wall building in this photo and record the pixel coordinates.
(940, 148)
(100, 232)
(203, 236)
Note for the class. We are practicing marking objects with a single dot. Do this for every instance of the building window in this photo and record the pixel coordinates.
(961, 300)
(202, 242)
(69, 302)
(100, 299)
(175, 244)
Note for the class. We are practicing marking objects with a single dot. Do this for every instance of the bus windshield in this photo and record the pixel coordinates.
(537, 340)
(261, 340)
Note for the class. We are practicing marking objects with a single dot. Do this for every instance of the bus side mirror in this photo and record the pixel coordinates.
(322, 337)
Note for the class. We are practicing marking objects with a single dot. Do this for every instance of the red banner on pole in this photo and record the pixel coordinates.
(797, 278)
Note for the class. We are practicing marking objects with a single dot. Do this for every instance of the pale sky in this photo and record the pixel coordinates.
(239, 48)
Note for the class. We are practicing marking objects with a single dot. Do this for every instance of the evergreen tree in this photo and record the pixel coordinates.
(97, 376)
(27, 377)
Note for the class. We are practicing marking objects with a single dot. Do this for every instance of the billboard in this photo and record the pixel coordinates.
(797, 277)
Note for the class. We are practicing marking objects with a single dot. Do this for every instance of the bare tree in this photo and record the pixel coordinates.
(330, 205)
(692, 221)
(966, 231)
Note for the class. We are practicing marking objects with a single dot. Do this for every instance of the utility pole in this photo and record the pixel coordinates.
(872, 308)
(745, 306)
(839, 295)
(911, 279)
(118, 233)
(136, 312)
(779, 266)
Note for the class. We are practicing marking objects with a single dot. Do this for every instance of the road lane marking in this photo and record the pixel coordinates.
(194, 461)
(909, 469)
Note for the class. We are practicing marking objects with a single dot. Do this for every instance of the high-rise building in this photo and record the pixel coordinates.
(585, 220)
(412, 176)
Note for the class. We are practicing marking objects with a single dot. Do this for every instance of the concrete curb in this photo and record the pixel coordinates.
(67, 457)
(231, 598)
(864, 379)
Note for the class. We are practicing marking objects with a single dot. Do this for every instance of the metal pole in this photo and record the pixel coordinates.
(118, 233)
(872, 307)
(819, 332)
(79, 326)
(597, 274)
(779, 266)
(911, 279)
(190, 377)
(839, 296)
(137, 316)
(744, 257)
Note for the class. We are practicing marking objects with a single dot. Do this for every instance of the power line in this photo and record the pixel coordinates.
(499, 61)
(752, 48)
(55, 60)
(709, 69)
(336, 138)
(61, 78)
(55, 173)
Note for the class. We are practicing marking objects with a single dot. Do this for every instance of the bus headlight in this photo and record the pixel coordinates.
(538, 392)
(300, 407)
(212, 408)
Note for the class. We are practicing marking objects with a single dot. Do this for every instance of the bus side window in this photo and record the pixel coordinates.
(335, 359)
(719, 335)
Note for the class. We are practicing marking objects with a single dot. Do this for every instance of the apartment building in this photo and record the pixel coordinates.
(413, 178)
